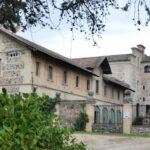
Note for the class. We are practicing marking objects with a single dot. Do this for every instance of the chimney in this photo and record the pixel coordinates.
(139, 49)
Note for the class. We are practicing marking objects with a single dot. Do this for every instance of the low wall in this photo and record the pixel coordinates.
(107, 128)
(140, 130)
(69, 111)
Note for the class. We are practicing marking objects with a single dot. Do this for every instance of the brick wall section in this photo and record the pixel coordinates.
(140, 130)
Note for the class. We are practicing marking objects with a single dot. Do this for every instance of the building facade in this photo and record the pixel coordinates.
(134, 69)
(28, 67)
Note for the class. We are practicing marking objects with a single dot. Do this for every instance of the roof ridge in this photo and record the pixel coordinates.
(34, 46)
(101, 56)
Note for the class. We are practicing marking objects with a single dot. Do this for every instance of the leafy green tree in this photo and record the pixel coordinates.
(27, 122)
(87, 16)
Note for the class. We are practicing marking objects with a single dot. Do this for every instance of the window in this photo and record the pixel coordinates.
(50, 73)
(143, 87)
(97, 115)
(147, 69)
(143, 99)
(77, 81)
(88, 85)
(112, 92)
(118, 95)
(65, 77)
(37, 68)
(105, 90)
(13, 54)
(97, 86)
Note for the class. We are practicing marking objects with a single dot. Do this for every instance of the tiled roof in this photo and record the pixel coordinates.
(35, 47)
(122, 57)
(116, 81)
(93, 62)
(89, 62)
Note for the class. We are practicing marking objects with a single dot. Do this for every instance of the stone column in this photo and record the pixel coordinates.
(90, 111)
(127, 112)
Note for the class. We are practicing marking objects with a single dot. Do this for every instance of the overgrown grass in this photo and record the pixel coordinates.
(112, 134)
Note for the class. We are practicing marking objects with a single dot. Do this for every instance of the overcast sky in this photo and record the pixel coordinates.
(119, 37)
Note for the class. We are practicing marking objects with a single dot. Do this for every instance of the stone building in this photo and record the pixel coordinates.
(108, 93)
(108, 90)
(28, 67)
(133, 69)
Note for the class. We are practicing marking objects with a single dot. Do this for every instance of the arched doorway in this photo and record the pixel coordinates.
(112, 117)
(105, 116)
(96, 114)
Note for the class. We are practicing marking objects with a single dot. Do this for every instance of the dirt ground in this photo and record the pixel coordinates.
(108, 142)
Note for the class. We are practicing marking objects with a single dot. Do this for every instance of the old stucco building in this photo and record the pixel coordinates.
(26, 67)
(134, 69)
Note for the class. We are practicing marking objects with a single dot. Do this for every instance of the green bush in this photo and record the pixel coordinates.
(81, 122)
(27, 122)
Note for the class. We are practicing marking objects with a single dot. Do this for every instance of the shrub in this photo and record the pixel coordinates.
(27, 122)
(81, 122)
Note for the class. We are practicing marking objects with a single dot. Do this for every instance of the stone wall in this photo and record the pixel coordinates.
(15, 66)
(69, 112)
(107, 128)
(140, 130)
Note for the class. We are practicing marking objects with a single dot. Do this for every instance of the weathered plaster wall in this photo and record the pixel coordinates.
(15, 73)
(129, 72)
(145, 85)
(50, 87)
(100, 97)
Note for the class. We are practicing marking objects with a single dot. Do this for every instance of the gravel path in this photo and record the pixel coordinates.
(108, 142)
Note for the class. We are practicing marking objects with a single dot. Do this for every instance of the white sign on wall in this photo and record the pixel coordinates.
(126, 114)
